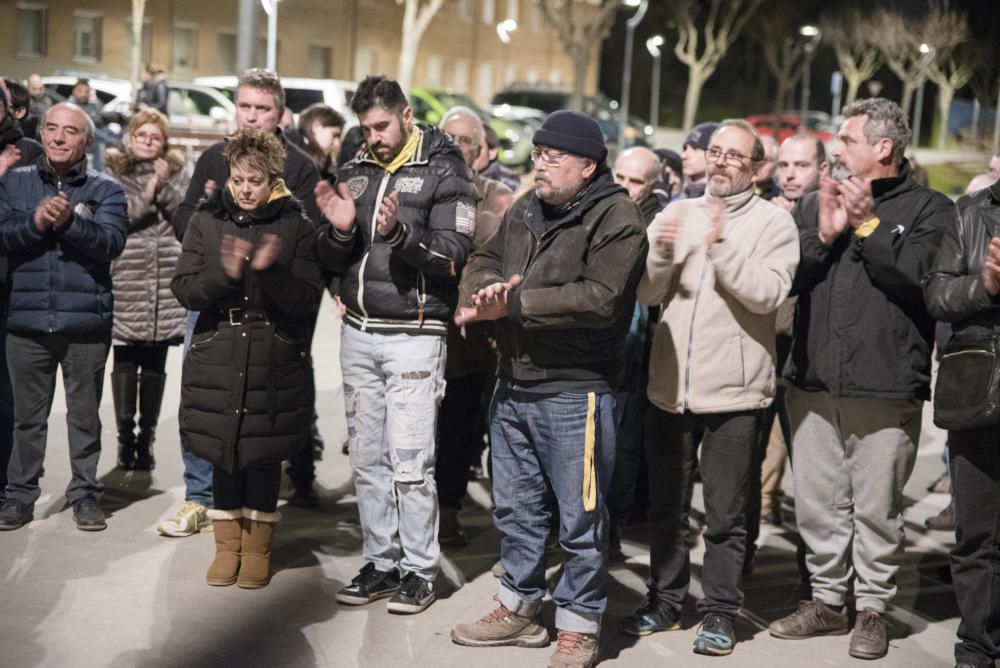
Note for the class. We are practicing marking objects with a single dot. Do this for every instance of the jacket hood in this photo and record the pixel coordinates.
(601, 185)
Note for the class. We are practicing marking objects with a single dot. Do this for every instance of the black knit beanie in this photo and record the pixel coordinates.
(574, 133)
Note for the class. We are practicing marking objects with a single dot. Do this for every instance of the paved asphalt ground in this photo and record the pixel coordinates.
(129, 597)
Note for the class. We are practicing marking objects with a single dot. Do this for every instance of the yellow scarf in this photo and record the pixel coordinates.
(278, 190)
(404, 155)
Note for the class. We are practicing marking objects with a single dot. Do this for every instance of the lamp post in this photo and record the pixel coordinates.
(630, 27)
(271, 9)
(927, 52)
(811, 33)
(653, 45)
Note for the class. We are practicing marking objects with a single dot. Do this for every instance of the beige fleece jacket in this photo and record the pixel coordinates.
(713, 349)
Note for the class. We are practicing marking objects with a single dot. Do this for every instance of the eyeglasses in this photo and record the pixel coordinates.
(732, 158)
(147, 138)
(549, 156)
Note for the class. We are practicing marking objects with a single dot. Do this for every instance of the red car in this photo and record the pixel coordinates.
(789, 126)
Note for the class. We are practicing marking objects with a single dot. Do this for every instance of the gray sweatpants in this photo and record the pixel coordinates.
(851, 460)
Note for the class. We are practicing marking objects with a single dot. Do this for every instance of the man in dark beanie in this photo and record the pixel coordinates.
(559, 277)
(693, 161)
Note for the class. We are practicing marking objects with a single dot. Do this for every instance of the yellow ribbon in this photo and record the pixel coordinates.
(589, 468)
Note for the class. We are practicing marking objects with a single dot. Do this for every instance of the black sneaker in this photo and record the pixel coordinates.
(415, 595)
(14, 514)
(650, 617)
(716, 636)
(88, 515)
(369, 585)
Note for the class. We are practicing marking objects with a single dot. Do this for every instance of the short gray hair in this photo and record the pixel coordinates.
(465, 112)
(885, 121)
(89, 129)
(757, 152)
(264, 79)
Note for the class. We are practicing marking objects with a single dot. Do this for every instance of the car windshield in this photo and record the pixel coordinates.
(450, 100)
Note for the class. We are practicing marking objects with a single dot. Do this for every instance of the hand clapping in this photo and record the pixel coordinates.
(490, 303)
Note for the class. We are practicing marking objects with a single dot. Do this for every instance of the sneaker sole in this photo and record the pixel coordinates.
(635, 633)
(14, 527)
(91, 527)
(409, 608)
(712, 651)
(788, 636)
(351, 599)
(538, 640)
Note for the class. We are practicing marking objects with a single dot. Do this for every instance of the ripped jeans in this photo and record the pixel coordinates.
(393, 384)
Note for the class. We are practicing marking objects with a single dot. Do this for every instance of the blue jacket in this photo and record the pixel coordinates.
(60, 280)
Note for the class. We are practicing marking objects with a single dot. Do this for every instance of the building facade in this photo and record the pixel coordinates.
(339, 39)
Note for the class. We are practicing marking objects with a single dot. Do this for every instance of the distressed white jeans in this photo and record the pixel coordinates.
(393, 384)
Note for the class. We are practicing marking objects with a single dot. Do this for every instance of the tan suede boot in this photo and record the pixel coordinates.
(255, 556)
(228, 539)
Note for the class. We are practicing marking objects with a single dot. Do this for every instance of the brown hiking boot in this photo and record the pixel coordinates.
(813, 618)
(575, 650)
(501, 627)
(870, 639)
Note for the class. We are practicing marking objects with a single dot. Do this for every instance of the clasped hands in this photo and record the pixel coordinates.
(236, 252)
(490, 303)
(843, 203)
(52, 212)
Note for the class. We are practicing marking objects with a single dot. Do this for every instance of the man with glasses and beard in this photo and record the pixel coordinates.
(559, 279)
(719, 266)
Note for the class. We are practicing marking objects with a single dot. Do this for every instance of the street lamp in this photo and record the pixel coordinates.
(630, 27)
(811, 33)
(271, 9)
(505, 28)
(653, 45)
(927, 53)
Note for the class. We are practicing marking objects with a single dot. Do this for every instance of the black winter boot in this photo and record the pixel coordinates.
(123, 390)
(151, 386)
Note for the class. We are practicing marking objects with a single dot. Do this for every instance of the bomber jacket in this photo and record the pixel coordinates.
(714, 344)
(60, 279)
(569, 317)
(954, 290)
(407, 282)
(861, 327)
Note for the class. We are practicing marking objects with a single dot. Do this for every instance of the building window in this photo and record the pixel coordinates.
(433, 72)
(532, 76)
(86, 36)
(512, 7)
(31, 30)
(320, 58)
(489, 12)
(536, 19)
(365, 63)
(510, 75)
(146, 48)
(185, 47)
(465, 10)
(484, 83)
(460, 75)
(227, 52)
(555, 77)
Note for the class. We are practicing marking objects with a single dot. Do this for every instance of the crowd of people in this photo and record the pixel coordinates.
(710, 313)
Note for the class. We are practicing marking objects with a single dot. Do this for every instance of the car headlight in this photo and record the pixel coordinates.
(631, 133)
(648, 130)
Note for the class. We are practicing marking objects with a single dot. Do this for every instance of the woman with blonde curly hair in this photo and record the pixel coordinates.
(147, 317)
(249, 267)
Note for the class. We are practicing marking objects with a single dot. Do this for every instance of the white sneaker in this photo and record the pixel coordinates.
(189, 520)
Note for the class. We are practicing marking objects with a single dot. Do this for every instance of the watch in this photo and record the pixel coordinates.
(866, 228)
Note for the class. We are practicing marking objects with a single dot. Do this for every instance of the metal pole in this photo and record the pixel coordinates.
(630, 26)
(976, 111)
(247, 35)
(917, 114)
(806, 62)
(272, 36)
(654, 102)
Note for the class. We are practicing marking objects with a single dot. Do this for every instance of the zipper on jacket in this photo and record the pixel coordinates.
(421, 299)
(364, 260)
(694, 311)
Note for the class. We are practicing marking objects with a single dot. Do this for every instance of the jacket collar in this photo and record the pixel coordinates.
(892, 185)
(995, 191)
(76, 175)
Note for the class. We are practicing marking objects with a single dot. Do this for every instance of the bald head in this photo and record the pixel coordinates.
(35, 86)
(637, 170)
(801, 162)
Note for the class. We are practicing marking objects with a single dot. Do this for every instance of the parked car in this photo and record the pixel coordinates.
(299, 93)
(431, 104)
(598, 107)
(790, 124)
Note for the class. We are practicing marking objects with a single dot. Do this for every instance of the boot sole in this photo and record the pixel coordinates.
(788, 636)
(253, 585)
(539, 640)
(409, 608)
(867, 656)
(351, 599)
(221, 583)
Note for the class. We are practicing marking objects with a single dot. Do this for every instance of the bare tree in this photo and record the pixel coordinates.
(950, 66)
(580, 26)
(417, 15)
(138, 13)
(784, 59)
(718, 23)
(854, 39)
(899, 41)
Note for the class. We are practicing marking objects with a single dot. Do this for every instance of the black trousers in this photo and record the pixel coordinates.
(255, 487)
(975, 561)
(461, 426)
(147, 356)
(727, 453)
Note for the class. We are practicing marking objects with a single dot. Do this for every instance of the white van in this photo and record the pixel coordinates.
(300, 93)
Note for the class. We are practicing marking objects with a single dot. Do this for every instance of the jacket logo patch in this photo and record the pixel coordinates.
(899, 229)
(83, 211)
(465, 219)
(357, 186)
(410, 185)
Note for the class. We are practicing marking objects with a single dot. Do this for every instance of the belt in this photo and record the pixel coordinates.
(242, 316)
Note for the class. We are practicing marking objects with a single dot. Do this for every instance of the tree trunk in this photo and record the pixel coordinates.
(138, 13)
(581, 59)
(909, 88)
(696, 79)
(853, 85)
(407, 60)
(945, 96)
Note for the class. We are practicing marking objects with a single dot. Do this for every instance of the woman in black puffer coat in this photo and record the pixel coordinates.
(248, 266)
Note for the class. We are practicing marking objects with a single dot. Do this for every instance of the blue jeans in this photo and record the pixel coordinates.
(197, 471)
(540, 451)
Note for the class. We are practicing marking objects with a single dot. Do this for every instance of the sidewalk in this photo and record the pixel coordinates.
(128, 597)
